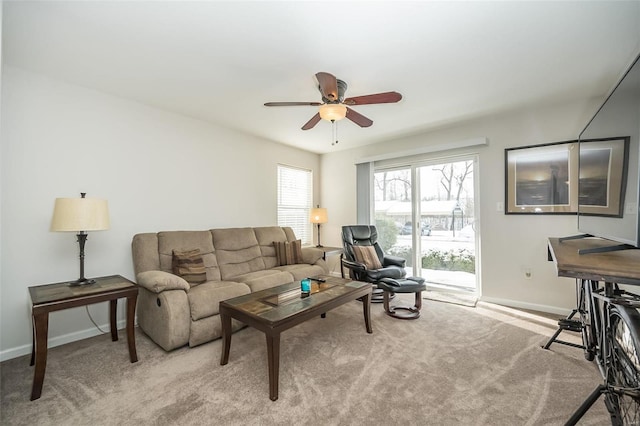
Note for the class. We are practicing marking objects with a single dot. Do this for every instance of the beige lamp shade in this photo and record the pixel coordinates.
(80, 214)
(319, 215)
(333, 112)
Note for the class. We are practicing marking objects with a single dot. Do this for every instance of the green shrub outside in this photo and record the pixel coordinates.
(403, 252)
(450, 260)
(387, 233)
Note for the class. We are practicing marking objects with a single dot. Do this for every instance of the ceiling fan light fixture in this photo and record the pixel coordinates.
(333, 112)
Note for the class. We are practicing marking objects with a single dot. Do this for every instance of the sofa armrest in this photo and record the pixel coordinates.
(311, 255)
(159, 281)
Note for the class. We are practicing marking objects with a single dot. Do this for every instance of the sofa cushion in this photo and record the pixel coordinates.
(302, 270)
(288, 253)
(266, 236)
(168, 241)
(368, 256)
(190, 266)
(260, 280)
(204, 299)
(237, 251)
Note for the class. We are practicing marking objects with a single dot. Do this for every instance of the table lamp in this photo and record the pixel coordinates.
(80, 215)
(318, 216)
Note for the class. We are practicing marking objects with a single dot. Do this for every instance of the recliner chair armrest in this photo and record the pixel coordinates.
(389, 260)
(159, 281)
(354, 265)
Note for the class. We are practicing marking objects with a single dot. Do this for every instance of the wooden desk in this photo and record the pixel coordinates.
(622, 267)
(589, 270)
(55, 297)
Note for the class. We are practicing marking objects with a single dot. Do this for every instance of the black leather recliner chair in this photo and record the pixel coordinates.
(386, 272)
(389, 278)
(367, 235)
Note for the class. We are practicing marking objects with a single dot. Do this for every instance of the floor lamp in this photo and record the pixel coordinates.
(80, 215)
(319, 216)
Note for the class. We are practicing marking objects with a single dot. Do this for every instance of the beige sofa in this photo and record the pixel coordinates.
(237, 261)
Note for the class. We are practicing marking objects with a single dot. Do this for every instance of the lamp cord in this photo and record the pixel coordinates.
(94, 323)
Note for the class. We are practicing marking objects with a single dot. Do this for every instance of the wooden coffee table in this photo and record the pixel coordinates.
(277, 309)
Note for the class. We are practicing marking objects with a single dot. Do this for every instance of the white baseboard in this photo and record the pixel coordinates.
(524, 305)
(60, 340)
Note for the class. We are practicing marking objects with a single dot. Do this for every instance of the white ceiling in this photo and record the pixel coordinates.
(221, 61)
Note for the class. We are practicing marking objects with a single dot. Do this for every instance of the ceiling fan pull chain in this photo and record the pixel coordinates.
(334, 128)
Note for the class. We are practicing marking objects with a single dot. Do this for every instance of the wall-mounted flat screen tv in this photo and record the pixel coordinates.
(618, 118)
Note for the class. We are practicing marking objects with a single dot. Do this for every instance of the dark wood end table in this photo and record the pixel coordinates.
(58, 296)
(277, 309)
(329, 251)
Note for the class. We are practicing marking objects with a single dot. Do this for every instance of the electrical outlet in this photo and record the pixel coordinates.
(500, 206)
(631, 208)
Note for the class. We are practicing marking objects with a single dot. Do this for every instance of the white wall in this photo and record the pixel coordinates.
(158, 170)
(508, 242)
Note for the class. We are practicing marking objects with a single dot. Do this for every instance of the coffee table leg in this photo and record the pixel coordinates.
(41, 331)
(131, 332)
(226, 337)
(273, 356)
(366, 307)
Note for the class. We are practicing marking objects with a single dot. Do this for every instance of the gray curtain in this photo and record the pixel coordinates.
(364, 190)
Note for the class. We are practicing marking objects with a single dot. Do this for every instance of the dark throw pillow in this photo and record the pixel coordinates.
(288, 253)
(189, 265)
(368, 256)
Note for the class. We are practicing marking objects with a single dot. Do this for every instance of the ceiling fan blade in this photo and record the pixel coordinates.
(292, 103)
(357, 118)
(378, 98)
(328, 85)
(311, 123)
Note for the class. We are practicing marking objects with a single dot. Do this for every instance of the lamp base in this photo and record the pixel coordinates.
(82, 281)
(319, 245)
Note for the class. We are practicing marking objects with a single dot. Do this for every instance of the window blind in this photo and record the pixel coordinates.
(295, 197)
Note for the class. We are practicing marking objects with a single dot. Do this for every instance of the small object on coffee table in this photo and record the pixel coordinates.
(305, 286)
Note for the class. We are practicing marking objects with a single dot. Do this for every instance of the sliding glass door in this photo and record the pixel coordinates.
(394, 211)
(425, 212)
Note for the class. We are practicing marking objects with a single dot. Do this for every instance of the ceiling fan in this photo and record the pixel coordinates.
(335, 107)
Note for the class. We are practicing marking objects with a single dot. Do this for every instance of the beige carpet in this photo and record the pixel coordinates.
(456, 298)
(453, 366)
